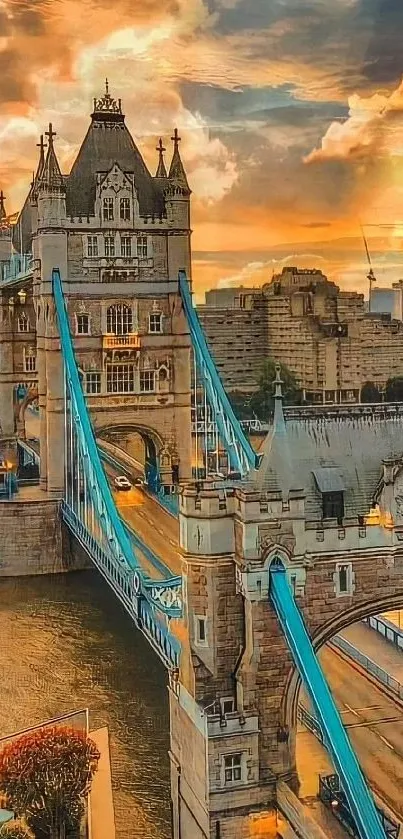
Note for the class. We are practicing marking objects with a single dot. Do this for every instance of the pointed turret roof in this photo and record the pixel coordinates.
(3, 213)
(176, 171)
(108, 142)
(51, 178)
(275, 467)
(161, 169)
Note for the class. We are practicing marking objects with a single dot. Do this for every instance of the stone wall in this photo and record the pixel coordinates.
(33, 540)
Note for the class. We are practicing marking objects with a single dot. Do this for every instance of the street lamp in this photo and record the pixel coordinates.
(22, 296)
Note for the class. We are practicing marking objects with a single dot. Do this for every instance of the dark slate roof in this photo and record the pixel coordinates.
(354, 447)
(107, 142)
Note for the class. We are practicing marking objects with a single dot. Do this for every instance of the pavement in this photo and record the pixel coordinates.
(373, 719)
(101, 813)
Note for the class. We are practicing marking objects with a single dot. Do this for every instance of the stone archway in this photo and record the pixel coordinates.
(21, 406)
(141, 444)
(289, 705)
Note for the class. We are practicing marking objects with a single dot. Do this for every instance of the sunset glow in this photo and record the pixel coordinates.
(290, 113)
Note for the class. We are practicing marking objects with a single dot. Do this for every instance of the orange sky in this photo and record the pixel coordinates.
(291, 114)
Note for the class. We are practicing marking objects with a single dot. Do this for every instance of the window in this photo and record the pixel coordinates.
(126, 246)
(147, 378)
(333, 505)
(343, 578)
(109, 246)
(23, 323)
(200, 630)
(227, 706)
(120, 378)
(125, 209)
(107, 209)
(92, 246)
(119, 320)
(155, 323)
(142, 247)
(93, 382)
(232, 768)
(83, 324)
(30, 363)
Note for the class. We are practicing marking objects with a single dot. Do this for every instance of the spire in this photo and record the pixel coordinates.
(107, 109)
(39, 170)
(279, 421)
(3, 214)
(41, 163)
(51, 178)
(161, 170)
(176, 171)
(275, 466)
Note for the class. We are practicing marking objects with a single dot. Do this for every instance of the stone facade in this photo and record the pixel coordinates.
(240, 692)
(34, 541)
(119, 237)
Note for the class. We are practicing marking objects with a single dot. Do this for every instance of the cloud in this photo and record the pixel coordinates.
(374, 128)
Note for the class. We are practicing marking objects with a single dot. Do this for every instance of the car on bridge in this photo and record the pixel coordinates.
(122, 483)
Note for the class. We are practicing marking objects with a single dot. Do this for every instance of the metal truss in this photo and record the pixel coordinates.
(241, 455)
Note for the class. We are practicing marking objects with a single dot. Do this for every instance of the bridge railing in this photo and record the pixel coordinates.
(368, 665)
(390, 631)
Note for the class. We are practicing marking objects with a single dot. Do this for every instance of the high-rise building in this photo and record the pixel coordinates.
(323, 335)
(235, 326)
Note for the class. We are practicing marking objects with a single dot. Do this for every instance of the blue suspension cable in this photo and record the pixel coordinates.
(73, 379)
(359, 797)
(215, 390)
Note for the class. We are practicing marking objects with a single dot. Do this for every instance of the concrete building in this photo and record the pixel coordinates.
(323, 335)
(235, 326)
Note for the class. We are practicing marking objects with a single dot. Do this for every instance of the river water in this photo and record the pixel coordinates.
(67, 644)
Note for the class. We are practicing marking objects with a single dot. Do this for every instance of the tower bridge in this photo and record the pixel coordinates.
(239, 586)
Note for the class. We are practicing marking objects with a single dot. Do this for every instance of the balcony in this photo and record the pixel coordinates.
(130, 341)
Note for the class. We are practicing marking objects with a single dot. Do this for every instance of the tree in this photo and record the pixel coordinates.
(45, 776)
(15, 829)
(262, 402)
(370, 392)
(241, 404)
(394, 389)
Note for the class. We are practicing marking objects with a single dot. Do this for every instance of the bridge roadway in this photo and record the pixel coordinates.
(374, 722)
(154, 525)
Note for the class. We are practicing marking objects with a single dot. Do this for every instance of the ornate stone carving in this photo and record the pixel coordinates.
(277, 534)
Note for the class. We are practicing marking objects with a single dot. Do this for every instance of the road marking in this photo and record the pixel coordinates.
(171, 542)
(351, 709)
(368, 723)
(389, 745)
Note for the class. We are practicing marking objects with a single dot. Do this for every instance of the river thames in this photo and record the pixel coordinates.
(68, 644)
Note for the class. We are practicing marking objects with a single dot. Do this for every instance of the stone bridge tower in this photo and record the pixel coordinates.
(119, 236)
(325, 504)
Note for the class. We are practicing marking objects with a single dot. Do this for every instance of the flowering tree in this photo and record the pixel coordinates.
(15, 829)
(45, 776)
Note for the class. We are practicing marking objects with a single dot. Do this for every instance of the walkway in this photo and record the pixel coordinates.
(374, 721)
(374, 646)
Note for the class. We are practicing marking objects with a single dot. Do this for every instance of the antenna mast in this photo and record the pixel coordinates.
(370, 276)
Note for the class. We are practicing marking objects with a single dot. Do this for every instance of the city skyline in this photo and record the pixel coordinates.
(291, 120)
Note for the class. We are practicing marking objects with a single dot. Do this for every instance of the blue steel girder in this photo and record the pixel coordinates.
(359, 797)
(240, 452)
(164, 595)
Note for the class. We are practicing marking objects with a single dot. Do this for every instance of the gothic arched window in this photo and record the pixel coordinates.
(23, 323)
(119, 319)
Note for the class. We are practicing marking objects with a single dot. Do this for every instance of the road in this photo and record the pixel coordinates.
(375, 726)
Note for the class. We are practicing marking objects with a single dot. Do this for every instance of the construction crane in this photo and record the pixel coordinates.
(370, 276)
